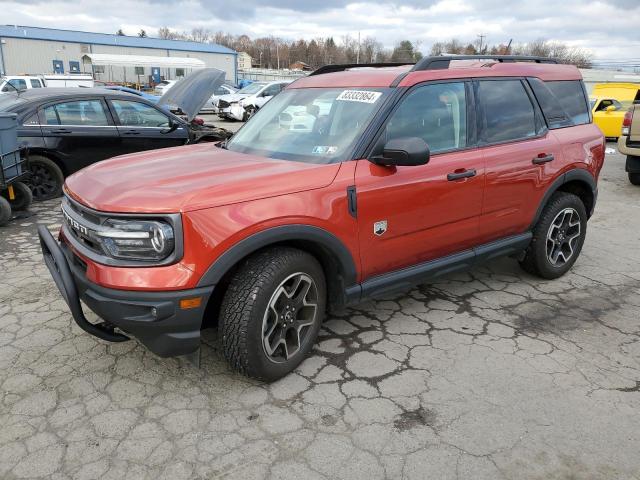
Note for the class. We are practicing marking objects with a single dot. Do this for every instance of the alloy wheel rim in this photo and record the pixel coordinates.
(289, 318)
(41, 182)
(563, 236)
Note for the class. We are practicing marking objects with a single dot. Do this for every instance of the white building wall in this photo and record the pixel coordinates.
(27, 56)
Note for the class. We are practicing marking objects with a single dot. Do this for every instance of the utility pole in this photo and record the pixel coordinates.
(358, 54)
(277, 54)
(481, 36)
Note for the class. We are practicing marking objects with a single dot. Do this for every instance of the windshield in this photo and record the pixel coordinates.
(253, 88)
(314, 125)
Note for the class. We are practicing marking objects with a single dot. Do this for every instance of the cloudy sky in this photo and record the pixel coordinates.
(610, 29)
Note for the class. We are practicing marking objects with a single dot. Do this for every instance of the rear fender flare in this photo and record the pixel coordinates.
(580, 175)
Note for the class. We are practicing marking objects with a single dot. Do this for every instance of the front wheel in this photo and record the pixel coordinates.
(248, 113)
(634, 178)
(557, 237)
(22, 196)
(272, 311)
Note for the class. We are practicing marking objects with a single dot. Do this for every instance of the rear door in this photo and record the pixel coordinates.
(412, 214)
(80, 130)
(145, 127)
(521, 156)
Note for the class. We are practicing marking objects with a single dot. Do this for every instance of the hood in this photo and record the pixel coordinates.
(191, 93)
(233, 97)
(189, 178)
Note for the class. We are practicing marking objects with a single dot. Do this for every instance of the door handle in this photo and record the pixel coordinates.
(464, 174)
(543, 158)
(61, 130)
(131, 132)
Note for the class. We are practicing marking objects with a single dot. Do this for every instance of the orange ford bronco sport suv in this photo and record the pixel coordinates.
(354, 181)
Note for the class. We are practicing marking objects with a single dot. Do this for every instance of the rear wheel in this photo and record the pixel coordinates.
(557, 237)
(46, 178)
(272, 311)
(634, 178)
(5, 211)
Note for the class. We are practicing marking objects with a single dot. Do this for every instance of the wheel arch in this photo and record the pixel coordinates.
(335, 258)
(580, 182)
(43, 152)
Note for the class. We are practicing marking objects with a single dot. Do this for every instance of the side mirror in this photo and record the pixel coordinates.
(405, 151)
(173, 125)
(611, 108)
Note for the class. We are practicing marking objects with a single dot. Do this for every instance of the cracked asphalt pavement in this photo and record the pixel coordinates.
(489, 374)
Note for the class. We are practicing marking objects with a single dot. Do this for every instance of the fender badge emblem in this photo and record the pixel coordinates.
(380, 227)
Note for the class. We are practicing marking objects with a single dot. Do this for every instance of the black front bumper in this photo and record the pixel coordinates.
(154, 318)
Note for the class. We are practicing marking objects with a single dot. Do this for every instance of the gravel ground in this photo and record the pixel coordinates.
(485, 375)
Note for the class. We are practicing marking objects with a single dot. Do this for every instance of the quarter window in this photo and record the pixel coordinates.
(572, 99)
(83, 112)
(436, 113)
(136, 114)
(507, 111)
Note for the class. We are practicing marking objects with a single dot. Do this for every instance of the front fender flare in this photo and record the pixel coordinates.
(284, 233)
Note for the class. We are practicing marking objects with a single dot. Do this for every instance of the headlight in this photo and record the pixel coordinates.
(149, 240)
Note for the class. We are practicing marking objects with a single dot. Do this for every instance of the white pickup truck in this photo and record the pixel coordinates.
(12, 83)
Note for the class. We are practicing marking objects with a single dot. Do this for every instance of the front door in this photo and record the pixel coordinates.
(81, 131)
(143, 127)
(412, 214)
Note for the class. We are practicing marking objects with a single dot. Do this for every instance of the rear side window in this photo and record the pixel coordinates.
(571, 97)
(35, 83)
(81, 113)
(507, 111)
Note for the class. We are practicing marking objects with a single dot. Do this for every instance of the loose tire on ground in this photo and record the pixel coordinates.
(5, 211)
(634, 178)
(46, 178)
(251, 303)
(539, 255)
(23, 196)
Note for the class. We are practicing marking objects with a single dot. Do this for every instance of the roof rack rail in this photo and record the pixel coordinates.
(442, 62)
(340, 67)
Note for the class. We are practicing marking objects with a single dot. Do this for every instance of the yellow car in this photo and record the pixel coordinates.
(609, 103)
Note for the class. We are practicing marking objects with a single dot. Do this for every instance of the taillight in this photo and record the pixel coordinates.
(626, 122)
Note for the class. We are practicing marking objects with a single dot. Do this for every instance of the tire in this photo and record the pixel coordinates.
(23, 196)
(46, 178)
(245, 312)
(248, 113)
(634, 178)
(5, 211)
(566, 213)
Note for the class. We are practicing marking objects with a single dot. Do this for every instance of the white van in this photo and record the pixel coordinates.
(12, 83)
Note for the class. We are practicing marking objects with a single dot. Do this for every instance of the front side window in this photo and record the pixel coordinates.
(82, 113)
(314, 125)
(136, 114)
(436, 113)
(507, 111)
(608, 102)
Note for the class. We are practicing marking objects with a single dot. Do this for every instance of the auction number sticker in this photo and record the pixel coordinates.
(364, 96)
